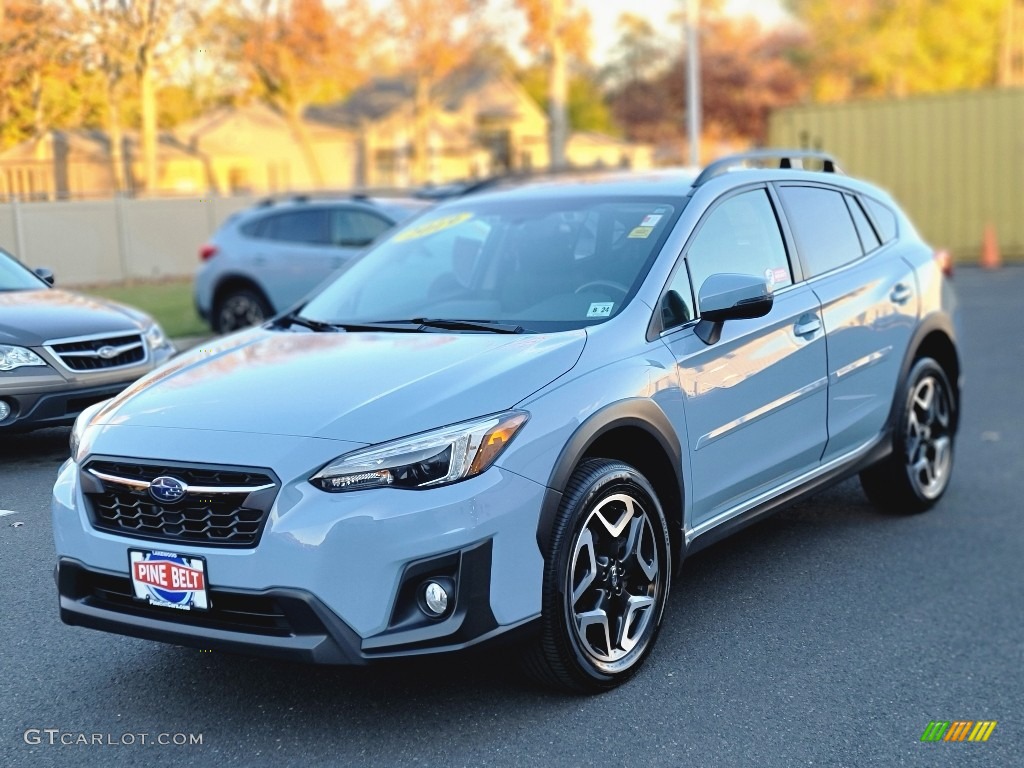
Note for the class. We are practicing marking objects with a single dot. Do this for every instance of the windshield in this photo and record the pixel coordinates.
(14, 277)
(546, 265)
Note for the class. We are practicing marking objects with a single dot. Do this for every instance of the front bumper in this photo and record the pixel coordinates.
(35, 410)
(333, 578)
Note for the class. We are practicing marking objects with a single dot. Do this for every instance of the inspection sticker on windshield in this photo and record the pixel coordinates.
(600, 309)
(432, 226)
(642, 232)
(650, 220)
(169, 580)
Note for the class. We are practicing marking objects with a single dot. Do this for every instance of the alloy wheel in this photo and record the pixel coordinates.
(929, 437)
(614, 581)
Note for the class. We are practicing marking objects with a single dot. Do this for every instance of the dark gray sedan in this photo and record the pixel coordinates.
(60, 352)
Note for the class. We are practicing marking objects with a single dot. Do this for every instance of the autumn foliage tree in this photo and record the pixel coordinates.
(872, 48)
(38, 70)
(432, 37)
(556, 31)
(296, 53)
(746, 72)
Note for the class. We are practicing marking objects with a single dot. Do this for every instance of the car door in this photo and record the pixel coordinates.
(756, 400)
(869, 306)
(294, 253)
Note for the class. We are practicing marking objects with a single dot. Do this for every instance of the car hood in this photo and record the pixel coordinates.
(31, 318)
(357, 387)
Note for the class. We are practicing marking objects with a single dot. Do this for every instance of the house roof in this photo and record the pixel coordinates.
(88, 145)
(386, 96)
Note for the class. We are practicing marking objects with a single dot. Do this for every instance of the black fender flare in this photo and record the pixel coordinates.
(639, 413)
(935, 322)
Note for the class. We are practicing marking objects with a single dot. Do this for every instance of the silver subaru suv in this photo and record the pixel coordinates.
(515, 417)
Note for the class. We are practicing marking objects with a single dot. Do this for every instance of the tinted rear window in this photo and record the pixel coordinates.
(825, 234)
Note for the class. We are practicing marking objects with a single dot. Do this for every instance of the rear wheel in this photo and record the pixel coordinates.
(606, 581)
(916, 474)
(240, 308)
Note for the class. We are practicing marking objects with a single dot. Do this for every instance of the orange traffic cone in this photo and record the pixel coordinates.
(990, 257)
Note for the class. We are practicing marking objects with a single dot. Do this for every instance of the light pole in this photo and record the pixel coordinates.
(693, 116)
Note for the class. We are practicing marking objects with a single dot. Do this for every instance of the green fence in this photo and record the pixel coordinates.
(955, 161)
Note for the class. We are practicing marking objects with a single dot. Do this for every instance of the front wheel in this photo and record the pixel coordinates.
(916, 474)
(606, 581)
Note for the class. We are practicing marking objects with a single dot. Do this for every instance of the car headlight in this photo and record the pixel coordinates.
(80, 425)
(155, 337)
(16, 357)
(427, 460)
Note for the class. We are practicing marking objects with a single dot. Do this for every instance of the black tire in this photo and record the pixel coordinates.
(620, 581)
(240, 308)
(915, 476)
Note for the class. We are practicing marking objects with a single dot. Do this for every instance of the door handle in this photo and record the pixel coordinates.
(807, 325)
(900, 294)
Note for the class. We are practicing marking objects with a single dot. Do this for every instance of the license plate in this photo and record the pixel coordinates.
(169, 580)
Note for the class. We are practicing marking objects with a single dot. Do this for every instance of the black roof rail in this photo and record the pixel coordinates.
(762, 157)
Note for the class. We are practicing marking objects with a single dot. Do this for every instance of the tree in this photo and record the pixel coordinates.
(587, 107)
(125, 39)
(434, 37)
(297, 53)
(555, 32)
(861, 48)
(40, 81)
(746, 73)
(639, 54)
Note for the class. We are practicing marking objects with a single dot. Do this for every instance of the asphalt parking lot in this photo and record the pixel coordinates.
(827, 635)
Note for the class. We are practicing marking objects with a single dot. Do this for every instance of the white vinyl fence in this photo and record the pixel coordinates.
(108, 241)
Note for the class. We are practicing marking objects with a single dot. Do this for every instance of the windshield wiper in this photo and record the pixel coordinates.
(294, 318)
(488, 326)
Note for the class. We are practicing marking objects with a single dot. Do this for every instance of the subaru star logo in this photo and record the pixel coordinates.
(167, 490)
(107, 352)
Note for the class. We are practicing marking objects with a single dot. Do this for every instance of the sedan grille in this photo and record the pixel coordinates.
(196, 505)
(100, 353)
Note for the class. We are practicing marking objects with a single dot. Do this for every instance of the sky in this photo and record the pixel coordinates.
(605, 13)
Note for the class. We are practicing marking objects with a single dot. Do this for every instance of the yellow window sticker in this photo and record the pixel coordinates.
(641, 232)
(432, 226)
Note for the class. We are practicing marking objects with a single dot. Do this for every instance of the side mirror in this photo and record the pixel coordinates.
(45, 274)
(730, 297)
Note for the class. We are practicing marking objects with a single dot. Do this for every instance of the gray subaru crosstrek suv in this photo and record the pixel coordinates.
(515, 417)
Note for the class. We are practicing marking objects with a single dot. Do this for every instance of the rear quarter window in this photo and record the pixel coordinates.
(884, 218)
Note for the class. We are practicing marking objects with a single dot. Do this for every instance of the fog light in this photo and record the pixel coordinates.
(5, 409)
(435, 599)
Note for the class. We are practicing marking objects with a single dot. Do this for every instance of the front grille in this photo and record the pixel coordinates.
(232, 611)
(102, 353)
(224, 506)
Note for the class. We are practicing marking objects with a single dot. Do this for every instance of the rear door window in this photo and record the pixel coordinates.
(825, 233)
(308, 226)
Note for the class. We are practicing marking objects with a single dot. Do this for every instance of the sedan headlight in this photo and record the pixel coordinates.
(426, 460)
(155, 337)
(16, 357)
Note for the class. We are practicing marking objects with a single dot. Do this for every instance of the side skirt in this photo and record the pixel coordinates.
(741, 516)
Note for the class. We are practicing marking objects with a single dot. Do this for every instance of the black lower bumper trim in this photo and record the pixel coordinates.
(287, 624)
(280, 623)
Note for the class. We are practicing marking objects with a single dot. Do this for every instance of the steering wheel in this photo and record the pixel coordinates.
(603, 284)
